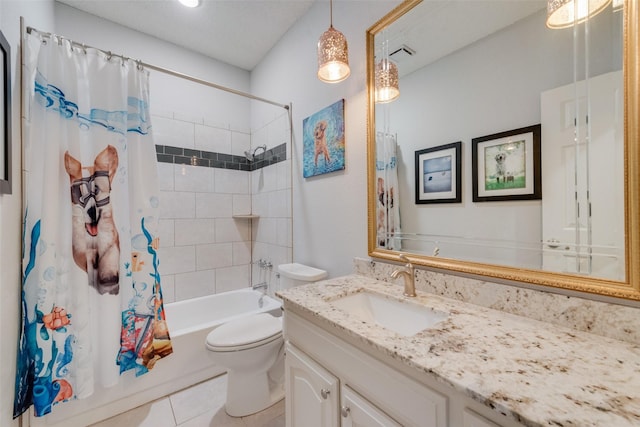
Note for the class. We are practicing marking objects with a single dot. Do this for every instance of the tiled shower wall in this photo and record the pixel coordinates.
(205, 180)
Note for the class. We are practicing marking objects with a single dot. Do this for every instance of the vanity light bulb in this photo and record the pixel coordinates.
(190, 3)
(333, 57)
(386, 76)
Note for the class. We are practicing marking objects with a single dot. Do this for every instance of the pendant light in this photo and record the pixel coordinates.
(565, 13)
(333, 54)
(190, 3)
(386, 81)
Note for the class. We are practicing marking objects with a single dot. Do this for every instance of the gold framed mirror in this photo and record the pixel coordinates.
(430, 249)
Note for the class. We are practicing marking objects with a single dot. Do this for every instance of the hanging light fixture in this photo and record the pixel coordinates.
(190, 3)
(565, 13)
(333, 54)
(386, 81)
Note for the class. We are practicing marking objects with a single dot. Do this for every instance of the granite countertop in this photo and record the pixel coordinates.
(533, 372)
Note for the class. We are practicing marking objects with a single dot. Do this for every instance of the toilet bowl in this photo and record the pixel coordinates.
(252, 350)
(249, 348)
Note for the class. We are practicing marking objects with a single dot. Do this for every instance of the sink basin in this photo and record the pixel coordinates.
(401, 317)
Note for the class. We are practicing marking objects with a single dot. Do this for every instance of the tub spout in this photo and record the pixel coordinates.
(408, 275)
(264, 286)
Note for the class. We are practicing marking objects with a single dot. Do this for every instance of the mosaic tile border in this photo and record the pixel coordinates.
(210, 159)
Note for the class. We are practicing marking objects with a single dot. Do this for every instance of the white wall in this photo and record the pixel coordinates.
(329, 211)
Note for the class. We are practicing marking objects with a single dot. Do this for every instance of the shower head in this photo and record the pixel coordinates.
(251, 156)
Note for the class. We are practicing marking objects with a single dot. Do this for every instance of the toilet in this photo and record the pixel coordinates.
(252, 350)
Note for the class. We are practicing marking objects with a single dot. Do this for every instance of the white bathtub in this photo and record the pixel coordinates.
(189, 323)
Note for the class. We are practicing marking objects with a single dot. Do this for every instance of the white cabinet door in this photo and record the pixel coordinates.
(471, 419)
(356, 411)
(312, 392)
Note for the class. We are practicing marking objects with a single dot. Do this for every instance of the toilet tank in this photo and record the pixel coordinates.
(295, 274)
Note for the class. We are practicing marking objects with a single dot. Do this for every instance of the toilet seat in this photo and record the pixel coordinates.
(245, 333)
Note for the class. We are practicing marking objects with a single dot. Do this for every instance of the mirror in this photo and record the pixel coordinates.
(512, 150)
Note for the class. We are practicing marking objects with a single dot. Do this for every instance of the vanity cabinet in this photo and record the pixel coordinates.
(312, 392)
(359, 390)
(330, 381)
(358, 411)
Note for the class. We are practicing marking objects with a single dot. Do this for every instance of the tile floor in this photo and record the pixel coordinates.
(199, 406)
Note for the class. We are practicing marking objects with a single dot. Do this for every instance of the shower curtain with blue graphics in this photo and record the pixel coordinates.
(387, 203)
(91, 298)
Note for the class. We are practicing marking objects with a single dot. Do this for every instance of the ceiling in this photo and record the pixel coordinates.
(436, 28)
(238, 32)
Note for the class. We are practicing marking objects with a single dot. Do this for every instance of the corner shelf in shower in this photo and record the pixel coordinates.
(246, 216)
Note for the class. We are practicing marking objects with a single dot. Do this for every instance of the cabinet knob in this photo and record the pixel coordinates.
(345, 411)
(325, 393)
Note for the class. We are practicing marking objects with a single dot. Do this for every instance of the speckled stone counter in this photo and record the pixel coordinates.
(531, 371)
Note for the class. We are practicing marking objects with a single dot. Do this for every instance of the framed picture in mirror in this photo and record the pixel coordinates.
(5, 116)
(506, 165)
(438, 172)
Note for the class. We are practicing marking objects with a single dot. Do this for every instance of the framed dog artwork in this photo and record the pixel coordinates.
(323, 141)
(5, 116)
(438, 172)
(506, 165)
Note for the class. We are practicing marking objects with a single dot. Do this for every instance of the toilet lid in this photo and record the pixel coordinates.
(246, 331)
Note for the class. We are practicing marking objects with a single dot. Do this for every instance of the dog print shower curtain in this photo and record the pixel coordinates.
(387, 204)
(91, 301)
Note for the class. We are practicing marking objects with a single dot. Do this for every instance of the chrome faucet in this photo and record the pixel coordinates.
(264, 286)
(408, 274)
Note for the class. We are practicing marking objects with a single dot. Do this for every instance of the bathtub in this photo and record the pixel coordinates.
(189, 323)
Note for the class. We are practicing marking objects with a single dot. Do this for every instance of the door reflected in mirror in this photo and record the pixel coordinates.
(469, 69)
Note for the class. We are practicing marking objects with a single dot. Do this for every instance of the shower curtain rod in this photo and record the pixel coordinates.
(160, 69)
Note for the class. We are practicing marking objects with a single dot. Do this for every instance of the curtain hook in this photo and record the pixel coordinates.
(84, 48)
(140, 67)
(109, 55)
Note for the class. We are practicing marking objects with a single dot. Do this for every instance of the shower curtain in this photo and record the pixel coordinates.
(91, 298)
(387, 206)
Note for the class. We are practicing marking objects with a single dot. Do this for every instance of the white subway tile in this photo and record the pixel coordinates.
(165, 176)
(283, 171)
(177, 259)
(283, 237)
(214, 256)
(195, 284)
(232, 278)
(240, 142)
(212, 139)
(260, 204)
(166, 233)
(232, 230)
(230, 181)
(173, 132)
(214, 205)
(193, 178)
(266, 230)
(194, 231)
(191, 118)
(241, 204)
(177, 205)
(241, 253)
(167, 283)
(278, 204)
